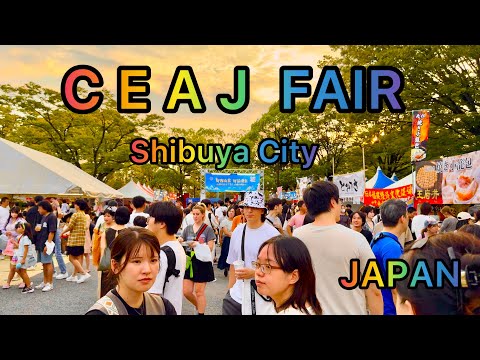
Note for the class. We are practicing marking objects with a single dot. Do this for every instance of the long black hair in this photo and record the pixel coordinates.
(292, 254)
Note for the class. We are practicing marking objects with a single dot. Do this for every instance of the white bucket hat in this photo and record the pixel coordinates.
(254, 199)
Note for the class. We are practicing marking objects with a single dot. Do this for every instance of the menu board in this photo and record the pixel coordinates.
(451, 180)
(428, 182)
(461, 179)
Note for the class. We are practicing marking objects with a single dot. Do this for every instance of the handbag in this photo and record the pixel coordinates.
(104, 264)
(202, 251)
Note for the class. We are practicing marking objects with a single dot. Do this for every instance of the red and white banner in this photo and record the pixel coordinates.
(420, 127)
(376, 197)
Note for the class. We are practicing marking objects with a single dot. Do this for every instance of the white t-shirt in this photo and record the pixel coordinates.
(292, 311)
(100, 221)
(275, 221)
(187, 220)
(133, 215)
(219, 213)
(331, 249)
(254, 238)
(213, 223)
(418, 224)
(4, 215)
(174, 285)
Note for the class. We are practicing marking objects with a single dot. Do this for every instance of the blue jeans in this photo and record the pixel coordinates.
(58, 252)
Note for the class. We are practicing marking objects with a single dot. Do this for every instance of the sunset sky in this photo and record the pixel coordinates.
(212, 64)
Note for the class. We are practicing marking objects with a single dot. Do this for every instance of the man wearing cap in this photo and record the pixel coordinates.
(464, 218)
(244, 245)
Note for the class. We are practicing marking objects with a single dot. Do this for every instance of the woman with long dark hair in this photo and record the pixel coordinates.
(284, 272)
(134, 266)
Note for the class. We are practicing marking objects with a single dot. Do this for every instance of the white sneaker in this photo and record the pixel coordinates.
(2, 257)
(83, 277)
(40, 286)
(72, 278)
(47, 287)
(62, 276)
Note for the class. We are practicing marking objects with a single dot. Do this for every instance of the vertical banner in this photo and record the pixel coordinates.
(420, 127)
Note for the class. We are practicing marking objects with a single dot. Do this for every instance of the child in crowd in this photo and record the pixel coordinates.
(26, 255)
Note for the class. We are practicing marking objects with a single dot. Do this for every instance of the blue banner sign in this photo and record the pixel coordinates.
(232, 182)
(290, 195)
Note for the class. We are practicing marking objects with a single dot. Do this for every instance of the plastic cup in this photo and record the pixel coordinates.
(238, 264)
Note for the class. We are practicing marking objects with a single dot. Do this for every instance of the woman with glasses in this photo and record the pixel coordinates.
(284, 272)
(448, 299)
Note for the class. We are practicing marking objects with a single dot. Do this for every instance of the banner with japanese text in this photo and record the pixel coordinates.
(376, 197)
(303, 183)
(231, 182)
(461, 179)
(350, 185)
(420, 127)
(290, 195)
(428, 182)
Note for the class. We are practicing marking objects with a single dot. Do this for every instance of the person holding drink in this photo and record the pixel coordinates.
(197, 273)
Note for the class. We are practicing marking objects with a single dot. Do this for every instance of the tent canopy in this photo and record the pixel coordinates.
(30, 172)
(407, 180)
(131, 189)
(379, 181)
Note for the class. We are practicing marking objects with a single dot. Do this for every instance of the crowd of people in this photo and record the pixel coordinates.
(279, 258)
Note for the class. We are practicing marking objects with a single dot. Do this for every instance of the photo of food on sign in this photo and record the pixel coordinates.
(428, 181)
(461, 179)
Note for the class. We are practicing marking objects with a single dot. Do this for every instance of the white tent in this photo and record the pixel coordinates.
(25, 171)
(131, 189)
(407, 180)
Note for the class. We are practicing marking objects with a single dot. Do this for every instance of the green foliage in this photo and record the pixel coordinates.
(98, 143)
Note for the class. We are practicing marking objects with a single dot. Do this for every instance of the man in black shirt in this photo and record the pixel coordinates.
(33, 217)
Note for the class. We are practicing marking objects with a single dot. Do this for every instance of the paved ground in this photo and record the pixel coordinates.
(69, 298)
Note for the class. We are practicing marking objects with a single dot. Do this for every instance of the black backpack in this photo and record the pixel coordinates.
(171, 259)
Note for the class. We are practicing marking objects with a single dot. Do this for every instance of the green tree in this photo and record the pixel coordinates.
(442, 78)
(98, 143)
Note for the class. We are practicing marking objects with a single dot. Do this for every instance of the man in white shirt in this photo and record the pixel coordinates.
(4, 215)
(211, 220)
(418, 221)
(164, 221)
(254, 232)
(275, 208)
(332, 247)
(220, 210)
(139, 203)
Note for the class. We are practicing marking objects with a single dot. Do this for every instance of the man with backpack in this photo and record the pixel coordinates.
(211, 220)
(164, 221)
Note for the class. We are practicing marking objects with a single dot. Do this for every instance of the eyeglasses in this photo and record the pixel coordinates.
(265, 268)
